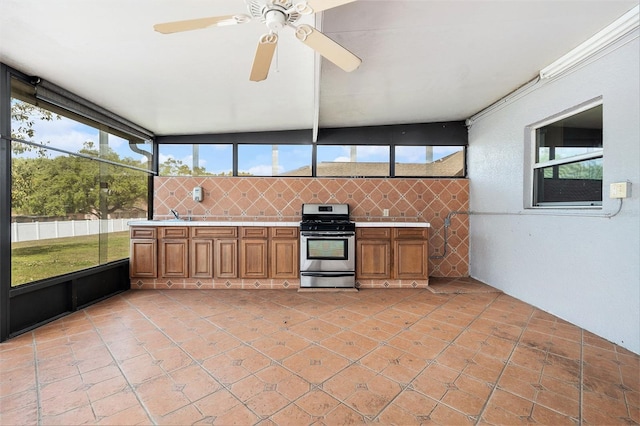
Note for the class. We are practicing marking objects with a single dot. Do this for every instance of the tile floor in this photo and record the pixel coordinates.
(457, 353)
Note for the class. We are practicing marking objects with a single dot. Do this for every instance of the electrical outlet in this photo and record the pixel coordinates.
(385, 212)
(620, 190)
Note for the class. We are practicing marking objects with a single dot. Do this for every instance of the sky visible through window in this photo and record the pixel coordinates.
(257, 159)
(70, 135)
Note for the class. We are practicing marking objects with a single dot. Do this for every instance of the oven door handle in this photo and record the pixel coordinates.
(328, 274)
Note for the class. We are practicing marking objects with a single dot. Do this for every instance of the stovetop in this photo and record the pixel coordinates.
(326, 217)
(341, 226)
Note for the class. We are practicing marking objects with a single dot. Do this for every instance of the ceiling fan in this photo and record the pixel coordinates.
(276, 14)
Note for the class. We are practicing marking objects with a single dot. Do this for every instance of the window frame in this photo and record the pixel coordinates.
(392, 164)
(532, 164)
(453, 133)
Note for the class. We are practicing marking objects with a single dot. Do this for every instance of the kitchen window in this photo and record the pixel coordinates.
(407, 150)
(274, 160)
(429, 161)
(195, 160)
(568, 158)
(353, 160)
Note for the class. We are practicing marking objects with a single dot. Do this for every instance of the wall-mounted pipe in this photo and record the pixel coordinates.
(447, 220)
(447, 224)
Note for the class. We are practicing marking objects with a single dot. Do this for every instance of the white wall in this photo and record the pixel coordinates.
(582, 269)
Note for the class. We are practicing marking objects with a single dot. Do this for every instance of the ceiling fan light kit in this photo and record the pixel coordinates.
(276, 14)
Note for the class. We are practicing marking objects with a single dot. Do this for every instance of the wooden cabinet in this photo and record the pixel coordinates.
(284, 252)
(174, 258)
(410, 259)
(214, 252)
(226, 258)
(410, 254)
(398, 253)
(253, 252)
(373, 259)
(201, 258)
(373, 253)
(143, 262)
(174, 252)
(268, 252)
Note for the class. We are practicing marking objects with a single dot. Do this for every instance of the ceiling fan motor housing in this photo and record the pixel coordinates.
(274, 13)
(275, 19)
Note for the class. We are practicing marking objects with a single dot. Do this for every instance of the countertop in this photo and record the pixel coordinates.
(173, 222)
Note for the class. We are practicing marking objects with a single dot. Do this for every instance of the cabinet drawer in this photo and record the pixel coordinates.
(214, 232)
(174, 232)
(373, 233)
(253, 232)
(145, 232)
(410, 233)
(288, 232)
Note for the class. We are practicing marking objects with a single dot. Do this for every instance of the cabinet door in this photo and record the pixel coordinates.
(201, 259)
(253, 258)
(410, 259)
(284, 258)
(226, 265)
(373, 259)
(143, 262)
(174, 258)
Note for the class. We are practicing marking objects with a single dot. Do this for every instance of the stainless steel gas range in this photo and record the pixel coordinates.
(327, 246)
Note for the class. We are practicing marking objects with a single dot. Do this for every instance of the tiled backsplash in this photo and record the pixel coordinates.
(280, 199)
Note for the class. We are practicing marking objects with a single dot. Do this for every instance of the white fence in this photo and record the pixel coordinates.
(70, 228)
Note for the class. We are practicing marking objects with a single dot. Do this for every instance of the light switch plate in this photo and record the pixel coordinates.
(620, 190)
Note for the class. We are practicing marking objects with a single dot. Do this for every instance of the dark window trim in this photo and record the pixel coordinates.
(284, 137)
(453, 133)
(434, 134)
(5, 201)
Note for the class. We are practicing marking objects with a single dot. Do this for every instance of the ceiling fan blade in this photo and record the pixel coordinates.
(264, 53)
(327, 48)
(197, 24)
(315, 6)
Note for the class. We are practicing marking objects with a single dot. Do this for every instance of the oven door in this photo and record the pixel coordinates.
(327, 251)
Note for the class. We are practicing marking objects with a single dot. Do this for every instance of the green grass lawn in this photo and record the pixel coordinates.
(35, 260)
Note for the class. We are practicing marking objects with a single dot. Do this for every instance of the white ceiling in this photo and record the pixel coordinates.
(422, 61)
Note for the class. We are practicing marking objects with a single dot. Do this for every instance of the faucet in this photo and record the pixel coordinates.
(175, 214)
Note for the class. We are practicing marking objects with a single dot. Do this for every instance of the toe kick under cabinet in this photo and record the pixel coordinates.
(213, 252)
